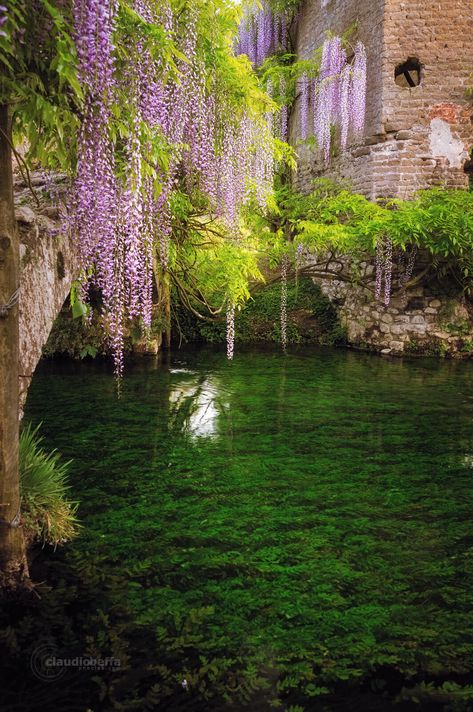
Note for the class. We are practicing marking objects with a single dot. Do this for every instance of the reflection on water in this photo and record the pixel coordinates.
(468, 460)
(195, 404)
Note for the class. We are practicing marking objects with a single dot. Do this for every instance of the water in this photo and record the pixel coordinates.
(302, 518)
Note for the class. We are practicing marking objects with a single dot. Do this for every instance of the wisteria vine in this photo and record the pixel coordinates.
(230, 331)
(120, 220)
(263, 32)
(338, 96)
(384, 270)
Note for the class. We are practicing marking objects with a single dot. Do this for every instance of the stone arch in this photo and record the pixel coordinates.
(48, 268)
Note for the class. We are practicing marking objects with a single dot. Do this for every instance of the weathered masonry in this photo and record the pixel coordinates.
(419, 129)
(419, 133)
(49, 265)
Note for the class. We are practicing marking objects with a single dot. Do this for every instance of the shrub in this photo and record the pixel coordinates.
(48, 514)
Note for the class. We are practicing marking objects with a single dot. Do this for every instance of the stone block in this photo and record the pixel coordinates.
(25, 215)
(443, 335)
(359, 152)
(404, 135)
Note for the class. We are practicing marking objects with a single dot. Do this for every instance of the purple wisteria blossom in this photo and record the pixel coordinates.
(122, 211)
(384, 270)
(305, 101)
(358, 90)
(339, 95)
(262, 33)
(3, 20)
(230, 331)
(284, 270)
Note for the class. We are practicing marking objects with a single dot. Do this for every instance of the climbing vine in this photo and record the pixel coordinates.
(330, 231)
(138, 100)
(183, 129)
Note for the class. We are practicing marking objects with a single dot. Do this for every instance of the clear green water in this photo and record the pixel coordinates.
(303, 516)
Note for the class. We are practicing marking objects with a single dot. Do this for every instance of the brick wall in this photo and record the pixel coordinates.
(414, 138)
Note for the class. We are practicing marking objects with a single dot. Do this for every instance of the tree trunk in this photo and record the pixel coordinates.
(13, 565)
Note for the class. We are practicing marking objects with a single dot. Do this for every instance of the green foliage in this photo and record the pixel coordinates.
(77, 337)
(48, 514)
(39, 80)
(311, 317)
(438, 220)
(223, 270)
(332, 219)
(427, 347)
(450, 696)
(461, 327)
(207, 270)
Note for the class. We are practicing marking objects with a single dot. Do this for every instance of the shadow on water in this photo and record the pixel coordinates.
(283, 528)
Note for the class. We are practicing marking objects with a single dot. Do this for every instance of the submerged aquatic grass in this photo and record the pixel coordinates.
(299, 523)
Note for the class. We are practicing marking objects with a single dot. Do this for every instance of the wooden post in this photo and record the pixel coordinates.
(13, 565)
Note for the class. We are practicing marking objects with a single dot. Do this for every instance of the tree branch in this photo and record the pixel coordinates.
(21, 161)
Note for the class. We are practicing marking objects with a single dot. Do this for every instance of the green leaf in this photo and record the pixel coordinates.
(79, 309)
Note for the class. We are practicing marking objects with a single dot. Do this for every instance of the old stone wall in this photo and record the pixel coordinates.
(316, 19)
(48, 267)
(423, 319)
(414, 137)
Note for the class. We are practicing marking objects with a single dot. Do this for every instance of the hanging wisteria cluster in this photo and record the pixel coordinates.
(263, 32)
(279, 122)
(119, 221)
(3, 19)
(96, 198)
(284, 270)
(337, 96)
(409, 266)
(230, 331)
(243, 166)
(384, 270)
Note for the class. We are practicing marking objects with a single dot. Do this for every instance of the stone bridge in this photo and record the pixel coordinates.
(48, 267)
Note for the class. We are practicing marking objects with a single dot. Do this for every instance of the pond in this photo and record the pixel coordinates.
(287, 527)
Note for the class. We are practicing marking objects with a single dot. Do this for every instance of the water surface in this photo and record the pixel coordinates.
(307, 514)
